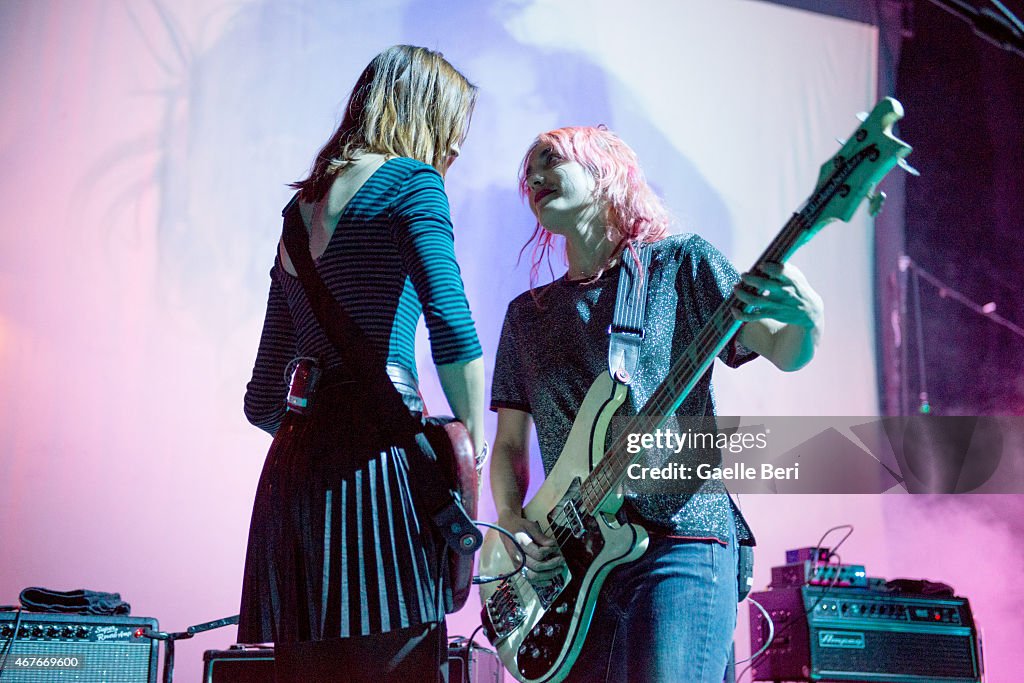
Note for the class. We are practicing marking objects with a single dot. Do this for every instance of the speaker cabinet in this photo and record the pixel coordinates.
(474, 665)
(256, 665)
(239, 665)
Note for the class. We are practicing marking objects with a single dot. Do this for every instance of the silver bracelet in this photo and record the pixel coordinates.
(481, 457)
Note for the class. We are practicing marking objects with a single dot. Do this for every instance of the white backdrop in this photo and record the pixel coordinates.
(145, 149)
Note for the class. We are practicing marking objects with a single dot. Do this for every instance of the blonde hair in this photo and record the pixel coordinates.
(408, 102)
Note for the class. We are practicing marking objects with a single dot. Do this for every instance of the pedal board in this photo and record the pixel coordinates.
(813, 573)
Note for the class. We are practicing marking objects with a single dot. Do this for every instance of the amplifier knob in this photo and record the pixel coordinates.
(53, 631)
(37, 631)
(81, 631)
(68, 632)
(6, 631)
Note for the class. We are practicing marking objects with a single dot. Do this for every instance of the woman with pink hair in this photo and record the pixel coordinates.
(669, 615)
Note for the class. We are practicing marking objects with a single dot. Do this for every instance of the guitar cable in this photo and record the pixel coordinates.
(466, 644)
(9, 645)
(478, 580)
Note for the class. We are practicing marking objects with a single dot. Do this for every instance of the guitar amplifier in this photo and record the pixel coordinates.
(256, 665)
(849, 634)
(239, 665)
(475, 664)
(76, 648)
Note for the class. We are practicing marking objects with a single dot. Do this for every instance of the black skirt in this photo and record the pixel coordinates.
(336, 547)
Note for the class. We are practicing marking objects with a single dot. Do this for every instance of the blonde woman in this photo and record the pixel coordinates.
(343, 573)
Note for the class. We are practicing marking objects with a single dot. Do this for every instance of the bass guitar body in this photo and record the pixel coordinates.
(454, 448)
(538, 624)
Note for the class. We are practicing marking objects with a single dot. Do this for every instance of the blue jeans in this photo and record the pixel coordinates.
(666, 618)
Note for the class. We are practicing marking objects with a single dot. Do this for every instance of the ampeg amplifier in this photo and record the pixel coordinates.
(76, 648)
(849, 634)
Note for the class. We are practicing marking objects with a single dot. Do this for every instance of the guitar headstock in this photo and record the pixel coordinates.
(851, 175)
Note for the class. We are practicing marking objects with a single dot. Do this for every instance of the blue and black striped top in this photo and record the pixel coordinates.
(390, 259)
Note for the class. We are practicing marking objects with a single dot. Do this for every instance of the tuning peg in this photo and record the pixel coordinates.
(863, 116)
(902, 163)
(875, 203)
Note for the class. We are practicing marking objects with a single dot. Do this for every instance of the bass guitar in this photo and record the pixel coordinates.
(538, 624)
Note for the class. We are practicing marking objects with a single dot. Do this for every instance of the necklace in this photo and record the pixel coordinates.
(580, 275)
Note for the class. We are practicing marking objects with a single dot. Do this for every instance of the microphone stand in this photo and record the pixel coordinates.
(912, 271)
(1003, 29)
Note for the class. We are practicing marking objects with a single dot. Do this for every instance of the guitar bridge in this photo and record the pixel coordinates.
(505, 610)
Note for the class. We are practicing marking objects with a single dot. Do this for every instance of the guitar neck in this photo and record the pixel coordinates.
(687, 371)
(716, 333)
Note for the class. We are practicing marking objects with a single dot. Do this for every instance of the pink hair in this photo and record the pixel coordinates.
(634, 212)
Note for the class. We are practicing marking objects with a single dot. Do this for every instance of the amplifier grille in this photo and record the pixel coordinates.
(908, 654)
(106, 662)
(65, 648)
(853, 634)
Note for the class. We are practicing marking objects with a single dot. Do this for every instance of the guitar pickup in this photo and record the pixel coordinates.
(572, 519)
(548, 590)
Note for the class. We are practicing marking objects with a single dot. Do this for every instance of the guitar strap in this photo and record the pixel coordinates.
(431, 490)
(625, 336)
(626, 333)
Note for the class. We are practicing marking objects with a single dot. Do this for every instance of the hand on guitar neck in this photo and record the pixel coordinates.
(784, 316)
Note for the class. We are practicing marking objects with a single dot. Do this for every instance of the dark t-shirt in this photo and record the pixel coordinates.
(553, 348)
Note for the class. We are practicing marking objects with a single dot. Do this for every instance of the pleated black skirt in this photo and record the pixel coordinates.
(336, 547)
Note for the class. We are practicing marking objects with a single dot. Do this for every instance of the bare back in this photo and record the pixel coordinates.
(321, 218)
